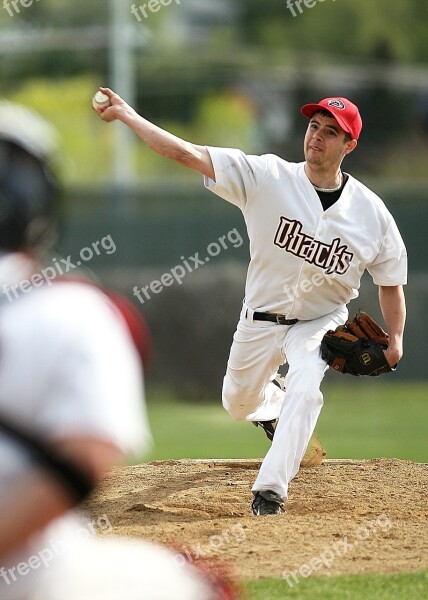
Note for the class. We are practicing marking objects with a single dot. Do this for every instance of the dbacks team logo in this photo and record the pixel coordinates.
(337, 104)
(333, 258)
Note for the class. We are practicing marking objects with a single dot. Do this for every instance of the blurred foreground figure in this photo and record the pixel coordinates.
(71, 405)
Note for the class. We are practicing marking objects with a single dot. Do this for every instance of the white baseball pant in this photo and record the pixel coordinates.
(259, 348)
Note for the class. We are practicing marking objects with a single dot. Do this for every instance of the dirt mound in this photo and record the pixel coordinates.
(342, 517)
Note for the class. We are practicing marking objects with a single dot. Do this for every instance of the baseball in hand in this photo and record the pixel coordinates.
(100, 100)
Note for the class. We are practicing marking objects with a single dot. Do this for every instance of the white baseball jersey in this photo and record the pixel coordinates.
(305, 262)
(67, 365)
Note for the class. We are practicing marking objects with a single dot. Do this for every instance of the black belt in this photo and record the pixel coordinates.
(280, 319)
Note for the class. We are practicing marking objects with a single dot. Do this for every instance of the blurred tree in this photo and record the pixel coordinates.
(261, 52)
(66, 103)
(340, 29)
(61, 13)
(228, 119)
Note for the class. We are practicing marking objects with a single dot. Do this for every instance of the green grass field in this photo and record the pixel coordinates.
(409, 586)
(360, 419)
(365, 419)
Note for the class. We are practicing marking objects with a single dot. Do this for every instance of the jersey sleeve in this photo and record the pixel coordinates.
(83, 374)
(238, 176)
(389, 267)
(102, 390)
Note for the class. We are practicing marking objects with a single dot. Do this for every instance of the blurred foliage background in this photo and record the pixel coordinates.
(228, 73)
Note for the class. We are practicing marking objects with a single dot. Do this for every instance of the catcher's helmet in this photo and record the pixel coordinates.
(29, 194)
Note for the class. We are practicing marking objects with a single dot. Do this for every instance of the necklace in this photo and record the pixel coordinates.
(329, 190)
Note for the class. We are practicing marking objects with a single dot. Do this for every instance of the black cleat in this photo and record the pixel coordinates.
(267, 502)
(268, 426)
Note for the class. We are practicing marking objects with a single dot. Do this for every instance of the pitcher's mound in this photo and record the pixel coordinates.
(344, 516)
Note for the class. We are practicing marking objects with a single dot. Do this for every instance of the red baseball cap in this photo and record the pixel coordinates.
(343, 110)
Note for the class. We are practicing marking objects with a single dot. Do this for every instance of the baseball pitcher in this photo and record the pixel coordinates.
(313, 230)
